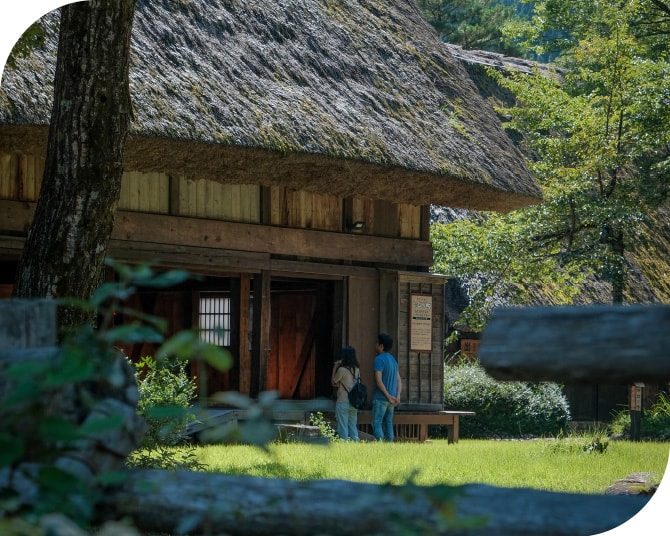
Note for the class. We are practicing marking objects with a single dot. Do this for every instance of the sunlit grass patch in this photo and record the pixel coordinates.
(547, 464)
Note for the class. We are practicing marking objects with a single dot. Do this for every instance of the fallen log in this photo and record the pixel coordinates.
(207, 503)
(613, 344)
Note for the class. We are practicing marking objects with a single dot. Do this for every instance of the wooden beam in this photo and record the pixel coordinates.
(159, 501)
(594, 344)
(198, 232)
(319, 270)
(195, 259)
(388, 305)
(15, 216)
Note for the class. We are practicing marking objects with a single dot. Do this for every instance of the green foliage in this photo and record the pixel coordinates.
(503, 409)
(593, 440)
(32, 38)
(166, 390)
(654, 424)
(473, 24)
(42, 413)
(160, 456)
(499, 251)
(620, 423)
(597, 136)
(327, 431)
(600, 135)
(597, 444)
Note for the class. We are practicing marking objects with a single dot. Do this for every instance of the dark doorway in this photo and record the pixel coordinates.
(595, 402)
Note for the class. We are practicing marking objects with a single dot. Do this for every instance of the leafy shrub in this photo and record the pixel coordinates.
(654, 424)
(166, 391)
(324, 425)
(503, 409)
(166, 395)
(593, 440)
(597, 444)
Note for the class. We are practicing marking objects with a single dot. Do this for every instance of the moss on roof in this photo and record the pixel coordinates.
(350, 97)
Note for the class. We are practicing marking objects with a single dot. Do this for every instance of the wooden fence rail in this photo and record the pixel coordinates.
(594, 344)
(203, 503)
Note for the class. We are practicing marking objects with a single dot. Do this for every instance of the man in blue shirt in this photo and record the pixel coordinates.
(388, 387)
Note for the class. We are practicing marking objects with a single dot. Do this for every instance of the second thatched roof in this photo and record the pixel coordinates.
(350, 97)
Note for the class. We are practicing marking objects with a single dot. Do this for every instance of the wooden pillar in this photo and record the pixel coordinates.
(241, 330)
(388, 306)
(425, 224)
(261, 333)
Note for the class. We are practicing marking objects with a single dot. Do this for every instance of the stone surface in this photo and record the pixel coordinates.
(633, 484)
(27, 323)
(300, 432)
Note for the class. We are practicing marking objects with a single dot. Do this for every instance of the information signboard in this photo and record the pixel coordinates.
(421, 322)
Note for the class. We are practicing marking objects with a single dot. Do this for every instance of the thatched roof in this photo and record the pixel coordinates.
(349, 97)
(502, 62)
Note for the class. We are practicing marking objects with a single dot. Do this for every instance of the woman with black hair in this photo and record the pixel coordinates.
(346, 372)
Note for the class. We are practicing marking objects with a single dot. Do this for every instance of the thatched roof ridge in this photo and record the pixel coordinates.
(350, 97)
(502, 62)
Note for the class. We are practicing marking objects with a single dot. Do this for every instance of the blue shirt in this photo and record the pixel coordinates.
(388, 366)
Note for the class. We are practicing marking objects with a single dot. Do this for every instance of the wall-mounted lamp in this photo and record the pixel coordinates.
(356, 226)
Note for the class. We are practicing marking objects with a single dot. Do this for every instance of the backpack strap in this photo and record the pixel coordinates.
(357, 378)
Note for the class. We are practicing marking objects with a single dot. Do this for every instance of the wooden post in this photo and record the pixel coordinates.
(635, 410)
(243, 299)
(261, 332)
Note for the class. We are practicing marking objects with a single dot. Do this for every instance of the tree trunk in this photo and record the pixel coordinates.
(64, 253)
(619, 276)
(615, 264)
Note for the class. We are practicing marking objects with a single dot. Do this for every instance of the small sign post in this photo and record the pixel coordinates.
(635, 410)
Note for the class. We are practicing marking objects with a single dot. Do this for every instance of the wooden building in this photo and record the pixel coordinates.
(288, 154)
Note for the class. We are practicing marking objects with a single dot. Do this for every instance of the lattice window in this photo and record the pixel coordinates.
(214, 318)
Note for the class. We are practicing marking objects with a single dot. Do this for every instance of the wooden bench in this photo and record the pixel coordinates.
(422, 419)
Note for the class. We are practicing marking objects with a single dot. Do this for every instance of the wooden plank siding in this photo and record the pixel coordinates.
(20, 176)
(159, 193)
(213, 200)
(409, 220)
(305, 210)
(145, 192)
(422, 372)
(387, 219)
(363, 322)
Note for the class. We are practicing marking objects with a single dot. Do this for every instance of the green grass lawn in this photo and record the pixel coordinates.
(547, 464)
